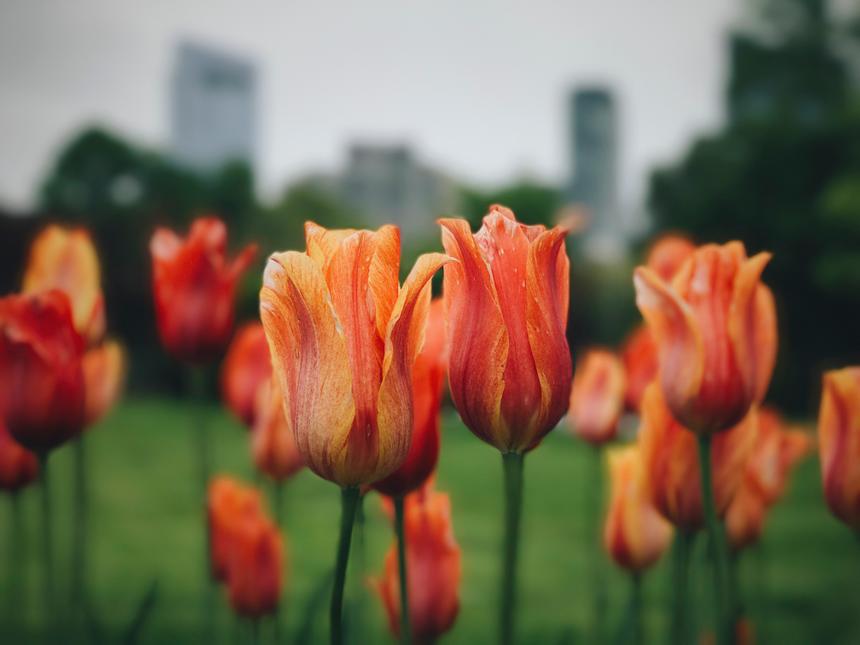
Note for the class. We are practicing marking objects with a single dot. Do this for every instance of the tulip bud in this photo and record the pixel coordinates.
(343, 337)
(273, 445)
(839, 443)
(428, 378)
(66, 259)
(194, 286)
(715, 329)
(254, 570)
(104, 373)
(246, 367)
(18, 466)
(597, 397)
(670, 456)
(43, 394)
(433, 565)
(507, 299)
(229, 504)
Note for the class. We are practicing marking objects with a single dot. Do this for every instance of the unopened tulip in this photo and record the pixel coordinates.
(715, 328)
(669, 454)
(507, 296)
(433, 565)
(18, 466)
(597, 397)
(194, 286)
(668, 253)
(343, 336)
(273, 445)
(66, 259)
(428, 376)
(254, 569)
(229, 505)
(104, 374)
(246, 368)
(635, 534)
(43, 393)
(839, 443)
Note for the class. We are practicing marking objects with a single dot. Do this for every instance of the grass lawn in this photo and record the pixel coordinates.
(146, 526)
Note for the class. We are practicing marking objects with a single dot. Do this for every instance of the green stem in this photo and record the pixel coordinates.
(279, 518)
(637, 634)
(79, 560)
(597, 570)
(722, 586)
(761, 592)
(255, 631)
(47, 545)
(512, 463)
(681, 551)
(349, 503)
(16, 558)
(405, 629)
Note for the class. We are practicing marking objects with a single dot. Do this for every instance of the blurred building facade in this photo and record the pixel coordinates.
(213, 108)
(592, 116)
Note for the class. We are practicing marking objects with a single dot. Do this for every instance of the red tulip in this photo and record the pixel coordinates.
(273, 445)
(43, 392)
(839, 443)
(104, 373)
(670, 456)
(507, 298)
(635, 534)
(254, 570)
(428, 376)
(229, 505)
(66, 259)
(246, 367)
(18, 466)
(433, 565)
(194, 285)
(344, 335)
(715, 328)
(597, 396)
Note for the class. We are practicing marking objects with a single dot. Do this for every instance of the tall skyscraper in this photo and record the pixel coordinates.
(593, 183)
(213, 108)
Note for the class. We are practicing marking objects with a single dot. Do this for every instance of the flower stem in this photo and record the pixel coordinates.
(513, 468)
(722, 587)
(597, 571)
(47, 545)
(681, 550)
(405, 629)
(636, 631)
(79, 561)
(349, 503)
(278, 503)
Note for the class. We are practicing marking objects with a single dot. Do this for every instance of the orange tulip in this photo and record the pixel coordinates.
(639, 356)
(194, 285)
(670, 456)
(635, 534)
(668, 253)
(254, 570)
(344, 336)
(745, 517)
(273, 445)
(247, 366)
(839, 443)
(43, 394)
(715, 328)
(18, 466)
(428, 378)
(229, 504)
(66, 259)
(433, 565)
(104, 373)
(597, 396)
(507, 299)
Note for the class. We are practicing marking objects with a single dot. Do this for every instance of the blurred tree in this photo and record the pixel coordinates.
(533, 202)
(783, 175)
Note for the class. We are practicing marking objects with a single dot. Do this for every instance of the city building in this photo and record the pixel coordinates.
(213, 108)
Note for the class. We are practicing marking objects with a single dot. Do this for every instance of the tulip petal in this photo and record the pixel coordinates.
(309, 358)
(839, 443)
(321, 242)
(385, 275)
(752, 326)
(104, 372)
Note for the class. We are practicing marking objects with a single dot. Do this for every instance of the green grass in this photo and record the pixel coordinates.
(146, 525)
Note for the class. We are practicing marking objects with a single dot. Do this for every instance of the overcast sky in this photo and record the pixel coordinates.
(477, 87)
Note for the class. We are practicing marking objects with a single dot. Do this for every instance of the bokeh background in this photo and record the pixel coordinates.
(722, 119)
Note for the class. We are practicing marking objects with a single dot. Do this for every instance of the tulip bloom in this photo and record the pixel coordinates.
(273, 445)
(43, 391)
(507, 298)
(669, 455)
(104, 373)
(668, 253)
(254, 569)
(66, 259)
(597, 397)
(428, 376)
(344, 336)
(18, 466)
(194, 285)
(839, 443)
(229, 505)
(433, 558)
(639, 357)
(715, 327)
(635, 534)
(246, 368)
